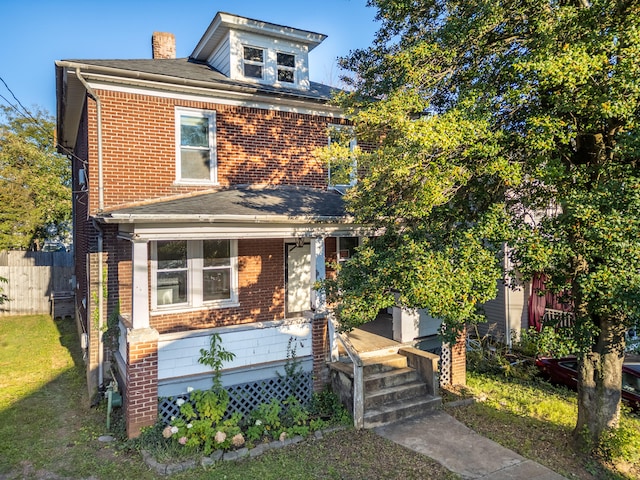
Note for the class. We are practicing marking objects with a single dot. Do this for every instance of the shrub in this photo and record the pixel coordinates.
(549, 342)
(620, 444)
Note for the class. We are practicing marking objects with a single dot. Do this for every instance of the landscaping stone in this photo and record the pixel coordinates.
(292, 440)
(231, 455)
(236, 454)
(180, 467)
(258, 449)
(153, 464)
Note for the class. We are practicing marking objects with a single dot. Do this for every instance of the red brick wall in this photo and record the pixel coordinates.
(255, 146)
(459, 361)
(261, 291)
(320, 348)
(141, 393)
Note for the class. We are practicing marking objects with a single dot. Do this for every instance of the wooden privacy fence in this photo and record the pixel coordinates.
(38, 283)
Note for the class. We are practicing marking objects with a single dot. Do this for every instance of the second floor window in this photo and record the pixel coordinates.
(196, 153)
(342, 168)
(253, 62)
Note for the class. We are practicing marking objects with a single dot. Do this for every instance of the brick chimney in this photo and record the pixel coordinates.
(163, 45)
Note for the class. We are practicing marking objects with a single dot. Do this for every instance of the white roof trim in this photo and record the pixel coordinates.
(223, 22)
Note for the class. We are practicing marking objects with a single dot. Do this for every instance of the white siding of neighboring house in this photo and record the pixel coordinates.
(260, 351)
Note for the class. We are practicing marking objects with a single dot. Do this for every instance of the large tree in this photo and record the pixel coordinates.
(502, 133)
(35, 191)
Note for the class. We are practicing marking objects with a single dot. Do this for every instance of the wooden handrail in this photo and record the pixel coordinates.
(358, 370)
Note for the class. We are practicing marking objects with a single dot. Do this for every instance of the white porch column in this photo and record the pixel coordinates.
(140, 281)
(318, 273)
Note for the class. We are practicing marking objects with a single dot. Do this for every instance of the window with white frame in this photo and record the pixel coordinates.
(252, 62)
(194, 273)
(286, 67)
(196, 146)
(347, 247)
(342, 166)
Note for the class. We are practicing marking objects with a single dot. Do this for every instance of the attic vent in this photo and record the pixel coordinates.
(163, 45)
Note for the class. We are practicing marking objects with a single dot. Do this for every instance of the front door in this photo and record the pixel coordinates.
(298, 279)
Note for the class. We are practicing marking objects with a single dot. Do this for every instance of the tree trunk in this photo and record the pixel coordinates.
(599, 384)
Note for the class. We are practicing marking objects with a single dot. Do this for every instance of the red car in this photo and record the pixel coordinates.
(564, 371)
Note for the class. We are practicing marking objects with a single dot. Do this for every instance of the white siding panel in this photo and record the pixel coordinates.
(220, 59)
(264, 343)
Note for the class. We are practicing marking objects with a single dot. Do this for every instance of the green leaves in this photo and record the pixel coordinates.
(35, 181)
(492, 123)
(215, 357)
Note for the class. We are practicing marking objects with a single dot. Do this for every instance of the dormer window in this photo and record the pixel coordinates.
(259, 52)
(286, 67)
(253, 62)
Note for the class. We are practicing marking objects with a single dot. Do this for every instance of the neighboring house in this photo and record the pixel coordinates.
(199, 207)
(520, 306)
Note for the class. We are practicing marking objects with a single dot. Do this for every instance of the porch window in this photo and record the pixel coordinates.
(343, 167)
(216, 270)
(347, 247)
(172, 273)
(194, 273)
(196, 146)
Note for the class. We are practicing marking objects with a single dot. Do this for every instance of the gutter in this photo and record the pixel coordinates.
(163, 218)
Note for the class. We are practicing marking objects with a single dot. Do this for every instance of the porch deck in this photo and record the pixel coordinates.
(374, 336)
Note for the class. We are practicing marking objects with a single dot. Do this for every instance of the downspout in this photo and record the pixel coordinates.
(93, 95)
(100, 304)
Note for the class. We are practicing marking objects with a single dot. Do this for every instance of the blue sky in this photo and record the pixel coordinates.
(36, 33)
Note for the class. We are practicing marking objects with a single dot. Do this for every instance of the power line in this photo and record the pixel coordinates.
(27, 114)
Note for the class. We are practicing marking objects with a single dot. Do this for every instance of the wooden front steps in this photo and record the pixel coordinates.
(392, 390)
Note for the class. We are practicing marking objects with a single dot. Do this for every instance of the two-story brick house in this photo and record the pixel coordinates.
(200, 207)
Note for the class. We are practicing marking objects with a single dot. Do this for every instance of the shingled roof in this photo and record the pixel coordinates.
(181, 71)
(249, 204)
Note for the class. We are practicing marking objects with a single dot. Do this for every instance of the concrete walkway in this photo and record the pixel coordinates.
(458, 448)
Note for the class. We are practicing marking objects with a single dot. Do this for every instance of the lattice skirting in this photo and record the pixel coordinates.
(245, 397)
(445, 365)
